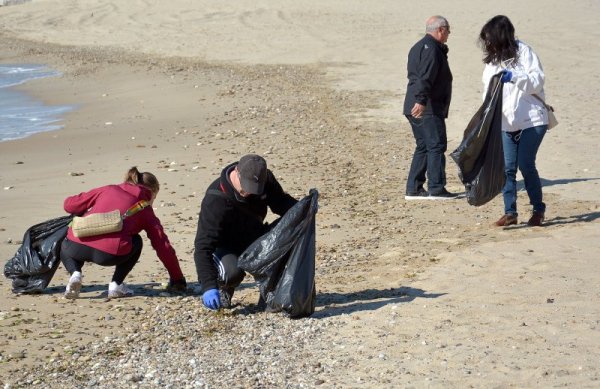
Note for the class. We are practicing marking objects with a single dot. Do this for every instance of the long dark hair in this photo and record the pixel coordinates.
(149, 180)
(497, 39)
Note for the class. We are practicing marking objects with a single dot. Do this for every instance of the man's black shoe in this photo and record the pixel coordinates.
(443, 195)
(421, 194)
(225, 295)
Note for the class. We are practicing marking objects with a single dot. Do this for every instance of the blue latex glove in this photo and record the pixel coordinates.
(211, 300)
(506, 76)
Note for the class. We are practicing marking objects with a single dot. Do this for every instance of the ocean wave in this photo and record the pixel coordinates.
(20, 114)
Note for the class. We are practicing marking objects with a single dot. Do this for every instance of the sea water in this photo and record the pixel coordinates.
(20, 114)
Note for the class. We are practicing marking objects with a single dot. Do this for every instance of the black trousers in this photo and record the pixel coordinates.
(73, 255)
(230, 275)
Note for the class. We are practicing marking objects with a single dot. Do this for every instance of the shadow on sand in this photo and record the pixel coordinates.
(334, 304)
(149, 289)
(561, 220)
(563, 181)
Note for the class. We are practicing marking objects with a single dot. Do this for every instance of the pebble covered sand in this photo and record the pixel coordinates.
(181, 345)
(409, 294)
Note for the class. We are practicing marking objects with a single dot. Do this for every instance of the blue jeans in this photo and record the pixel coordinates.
(520, 150)
(428, 158)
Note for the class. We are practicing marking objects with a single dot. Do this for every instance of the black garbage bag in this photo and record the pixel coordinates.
(480, 157)
(36, 261)
(283, 260)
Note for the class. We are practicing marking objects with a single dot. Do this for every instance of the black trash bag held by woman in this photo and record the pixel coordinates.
(283, 260)
(36, 261)
(480, 157)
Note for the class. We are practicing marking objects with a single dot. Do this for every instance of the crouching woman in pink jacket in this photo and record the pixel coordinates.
(120, 249)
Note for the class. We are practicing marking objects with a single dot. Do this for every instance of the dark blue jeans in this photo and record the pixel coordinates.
(520, 151)
(428, 158)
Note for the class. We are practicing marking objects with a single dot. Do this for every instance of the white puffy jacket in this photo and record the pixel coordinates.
(520, 109)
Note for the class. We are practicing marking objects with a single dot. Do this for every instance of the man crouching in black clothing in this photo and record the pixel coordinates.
(232, 217)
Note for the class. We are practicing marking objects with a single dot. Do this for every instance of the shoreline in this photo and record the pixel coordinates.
(23, 109)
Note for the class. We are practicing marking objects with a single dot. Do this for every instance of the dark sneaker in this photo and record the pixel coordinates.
(506, 220)
(442, 195)
(225, 295)
(536, 219)
(421, 194)
(262, 304)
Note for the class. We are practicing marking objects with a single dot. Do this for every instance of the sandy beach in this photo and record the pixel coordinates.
(410, 294)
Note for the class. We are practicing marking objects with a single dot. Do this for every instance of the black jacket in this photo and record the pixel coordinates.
(232, 222)
(429, 77)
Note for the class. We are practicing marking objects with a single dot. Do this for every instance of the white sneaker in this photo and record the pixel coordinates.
(115, 290)
(74, 286)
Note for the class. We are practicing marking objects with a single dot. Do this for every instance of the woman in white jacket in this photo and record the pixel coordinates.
(524, 119)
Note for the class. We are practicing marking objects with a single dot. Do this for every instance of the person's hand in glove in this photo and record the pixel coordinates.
(178, 286)
(506, 76)
(211, 299)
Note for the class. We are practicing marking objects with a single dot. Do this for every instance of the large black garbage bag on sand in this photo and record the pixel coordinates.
(283, 260)
(36, 261)
(480, 157)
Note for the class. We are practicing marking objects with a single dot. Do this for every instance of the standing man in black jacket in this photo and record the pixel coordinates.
(426, 106)
(232, 217)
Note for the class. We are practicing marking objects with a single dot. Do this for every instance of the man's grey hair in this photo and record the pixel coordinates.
(435, 22)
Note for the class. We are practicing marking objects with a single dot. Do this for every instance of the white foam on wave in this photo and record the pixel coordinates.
(21, 115)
